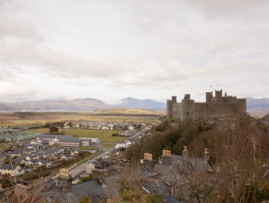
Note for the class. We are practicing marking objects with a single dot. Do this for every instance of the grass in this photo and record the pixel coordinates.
(104, 135)
(86, 148)
(2, 145)
(107, 146)
(41, 118)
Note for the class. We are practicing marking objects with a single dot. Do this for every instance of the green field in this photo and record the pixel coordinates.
(2, 145)
(104, 135)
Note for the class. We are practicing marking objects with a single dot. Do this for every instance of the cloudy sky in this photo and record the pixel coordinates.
(112, 49)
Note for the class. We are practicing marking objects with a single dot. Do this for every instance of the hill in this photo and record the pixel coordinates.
(74, 105)
(258, 107)
(128, 111)
(79, 105)
(142, 104)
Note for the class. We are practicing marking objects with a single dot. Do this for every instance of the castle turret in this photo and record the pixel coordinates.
(209, 96)
(188, 108)
(169, 108)
(218, 94)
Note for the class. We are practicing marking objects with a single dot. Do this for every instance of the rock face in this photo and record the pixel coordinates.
(214, 107)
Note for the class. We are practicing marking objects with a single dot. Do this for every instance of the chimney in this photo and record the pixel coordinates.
(206, 155)
(185, 152)
(147, 156)
(167, 153)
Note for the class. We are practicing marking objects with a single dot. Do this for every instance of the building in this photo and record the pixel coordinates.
(62, 140)
(214, 107)
(95, 140)
(7, 169)
(70, 142)
(85, 141)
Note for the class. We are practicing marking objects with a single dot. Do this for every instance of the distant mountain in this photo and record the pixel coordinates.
(142, 104)
(73, 105)
(258, 107)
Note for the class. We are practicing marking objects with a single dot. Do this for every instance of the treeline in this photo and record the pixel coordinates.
(171, 136)
(197, 136)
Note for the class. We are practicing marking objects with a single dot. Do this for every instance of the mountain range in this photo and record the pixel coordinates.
(254, 106)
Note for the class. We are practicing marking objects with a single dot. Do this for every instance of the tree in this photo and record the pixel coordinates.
(85, 199)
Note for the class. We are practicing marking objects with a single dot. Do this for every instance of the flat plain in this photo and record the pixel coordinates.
(104, 135)
(41, 118)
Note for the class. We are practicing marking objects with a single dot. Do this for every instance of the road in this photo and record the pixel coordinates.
(81, 168)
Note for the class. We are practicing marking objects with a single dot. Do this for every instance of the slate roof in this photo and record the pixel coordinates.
(171, 200)
(158, 188)
(7, 166)
(54, 136)
(17, 161)
(92, 189)
(68, 139)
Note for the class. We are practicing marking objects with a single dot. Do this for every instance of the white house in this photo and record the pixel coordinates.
(123, 145)
(55, 141)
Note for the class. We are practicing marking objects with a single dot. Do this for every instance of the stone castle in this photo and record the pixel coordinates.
(214, 107)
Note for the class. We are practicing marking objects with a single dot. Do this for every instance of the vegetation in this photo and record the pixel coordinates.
(84, 179)
(85, 199)
(237, 157)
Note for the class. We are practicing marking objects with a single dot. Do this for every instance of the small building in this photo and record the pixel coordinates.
(85, 141)
(95, 140)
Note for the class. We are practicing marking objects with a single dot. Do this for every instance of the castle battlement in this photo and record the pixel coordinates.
(215, 106)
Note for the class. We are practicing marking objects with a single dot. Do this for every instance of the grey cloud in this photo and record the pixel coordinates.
(233, 10)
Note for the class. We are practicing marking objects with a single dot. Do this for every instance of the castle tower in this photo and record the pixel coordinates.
(209, 96)
(169, 107)
(188, 108)
(218, 94)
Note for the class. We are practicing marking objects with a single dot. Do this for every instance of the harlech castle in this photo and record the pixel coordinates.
(214, 107)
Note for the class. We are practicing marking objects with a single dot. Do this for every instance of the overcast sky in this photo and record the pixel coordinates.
(147, 49)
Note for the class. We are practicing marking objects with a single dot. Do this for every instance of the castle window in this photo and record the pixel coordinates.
(187, 113)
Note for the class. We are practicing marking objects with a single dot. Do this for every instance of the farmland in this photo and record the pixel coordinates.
(41, 118)
(104, 135)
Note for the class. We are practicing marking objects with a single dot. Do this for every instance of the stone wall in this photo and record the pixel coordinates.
(214, 107)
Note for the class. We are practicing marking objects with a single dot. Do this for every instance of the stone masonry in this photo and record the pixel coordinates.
(214, 107)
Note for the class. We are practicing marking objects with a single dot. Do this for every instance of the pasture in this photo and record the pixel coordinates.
(104, 135)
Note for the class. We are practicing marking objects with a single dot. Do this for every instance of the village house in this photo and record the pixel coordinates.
(7, 169)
